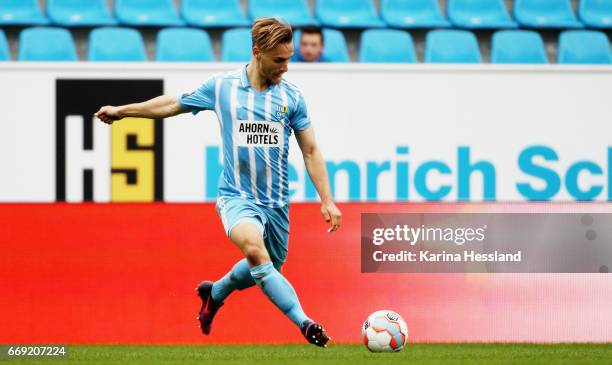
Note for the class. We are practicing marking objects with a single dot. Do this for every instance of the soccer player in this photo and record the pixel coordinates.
(311, 45)
(258, 111)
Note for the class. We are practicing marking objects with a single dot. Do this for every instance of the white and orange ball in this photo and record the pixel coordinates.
(384, 331)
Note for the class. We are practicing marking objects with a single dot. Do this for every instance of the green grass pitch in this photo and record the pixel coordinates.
(335, 354)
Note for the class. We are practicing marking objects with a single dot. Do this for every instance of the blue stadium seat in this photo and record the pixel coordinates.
(413, 14)
(386, 45)
(335, 48)
(147, 12)
(584, 47)
(116, 44)
(79, 12)
(5, 54)
(236, 45)
(451, 46)
(479, 14)
(183, 45)
(294, 12)
(21, 12)
(518, 46)
(545, 14)
(596, 13)
(214, 13)
(46, 44)
(348, 14)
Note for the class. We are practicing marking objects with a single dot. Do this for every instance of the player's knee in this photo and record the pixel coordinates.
(255, 253)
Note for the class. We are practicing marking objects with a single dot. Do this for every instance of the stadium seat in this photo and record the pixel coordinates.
(183, 45)
(347, 14)
(147, 12)
(413, 14)
(5, 54)
(236, 45)
(518, 46)
(451, 46)
(386, 45)
(545, 14)
(479, 14)
(116, 44)
(596, 13)
(335, 47)
(46, 44)
(294, 12)
(584, 47)
(214, 13)
(79, 13)
(21, 12)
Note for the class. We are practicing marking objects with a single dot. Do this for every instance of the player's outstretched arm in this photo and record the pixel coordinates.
(160, 107)
(315, 165)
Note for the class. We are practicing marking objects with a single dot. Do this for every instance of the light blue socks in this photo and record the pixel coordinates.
(271, 282)
(238, 278)
(279, 291)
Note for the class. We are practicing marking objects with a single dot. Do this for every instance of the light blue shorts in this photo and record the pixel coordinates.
(273, 223)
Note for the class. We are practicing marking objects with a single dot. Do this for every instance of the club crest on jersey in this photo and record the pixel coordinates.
(249, 133)
(281, 111)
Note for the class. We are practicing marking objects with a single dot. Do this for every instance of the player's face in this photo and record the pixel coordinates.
(275, 62)
(311, 47)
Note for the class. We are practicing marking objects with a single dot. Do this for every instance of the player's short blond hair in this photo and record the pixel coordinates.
(267, 33)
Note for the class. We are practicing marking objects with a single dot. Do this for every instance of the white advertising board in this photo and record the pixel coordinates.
(387, 132)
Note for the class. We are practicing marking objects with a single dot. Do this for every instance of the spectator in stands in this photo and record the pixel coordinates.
(311, 45)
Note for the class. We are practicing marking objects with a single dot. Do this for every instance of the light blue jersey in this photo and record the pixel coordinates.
(255, 130)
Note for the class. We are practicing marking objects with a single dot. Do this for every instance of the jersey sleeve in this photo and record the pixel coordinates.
(201, 99)
(300, 119)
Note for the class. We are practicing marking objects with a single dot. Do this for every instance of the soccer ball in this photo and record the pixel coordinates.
(384, 331)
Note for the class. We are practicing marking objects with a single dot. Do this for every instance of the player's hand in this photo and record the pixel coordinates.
(108, 114)
(332, 215)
